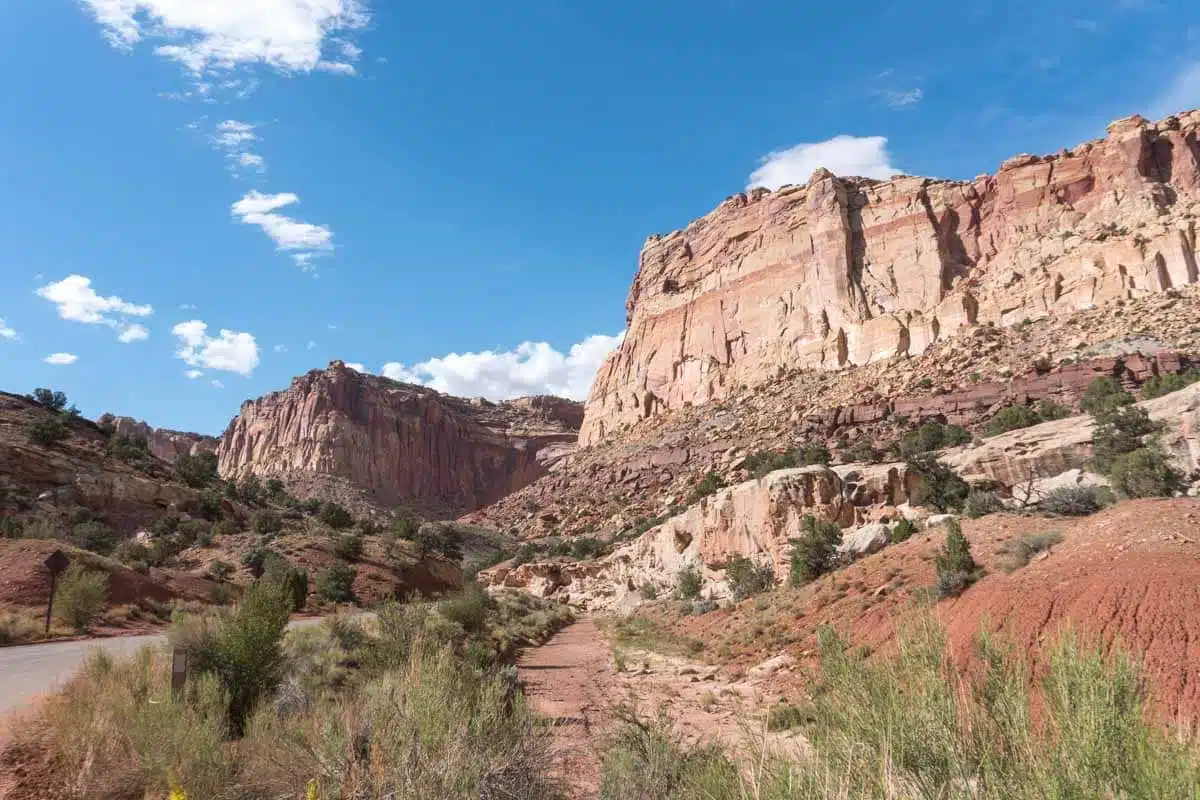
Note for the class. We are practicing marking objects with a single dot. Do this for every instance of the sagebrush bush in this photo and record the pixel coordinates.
(815, 551)
(903, 530)
(1074, 501)
(980, 503)
(48, 431)
(1145, 472)
(1011, 418)
(266, 522)
(79, 596)
(1104, 395)
(335, 516)
(348, 546)
(336, 583)
(1020, 551)
(468, 607)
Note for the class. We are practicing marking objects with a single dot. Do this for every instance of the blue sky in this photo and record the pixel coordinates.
(199, 200)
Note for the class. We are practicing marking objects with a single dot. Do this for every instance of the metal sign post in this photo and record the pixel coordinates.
(55, 563)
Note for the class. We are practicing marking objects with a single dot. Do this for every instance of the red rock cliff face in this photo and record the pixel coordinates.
(161, 442)
(403, 443)
(847, 271)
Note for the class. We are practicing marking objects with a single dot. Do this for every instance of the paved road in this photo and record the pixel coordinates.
(32, 670)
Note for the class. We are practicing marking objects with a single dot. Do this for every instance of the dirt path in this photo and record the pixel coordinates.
(569, 680)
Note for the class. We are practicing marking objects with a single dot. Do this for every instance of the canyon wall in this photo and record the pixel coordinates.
(402, 443)
(845, 271)
(161, 442)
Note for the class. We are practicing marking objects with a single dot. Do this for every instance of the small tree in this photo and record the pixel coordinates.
(956, 567)
(250, 489)
(863, 450)
(1011, 418)
(94, 536)
(274, 487)
(1119, 430)
(197, 471)
(746, 578)
(707, 485)
(336, 584)
(813, 453)
(335, 516)
(1104, 394)
(348, 547)
(938, 486)
(48, 431)
(79, 596)
(250, 657)
(266, 523)
(1145, 472)
(48, 398)
(690, 583)
(814, 552)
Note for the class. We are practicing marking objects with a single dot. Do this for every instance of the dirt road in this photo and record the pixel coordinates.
(569, 681)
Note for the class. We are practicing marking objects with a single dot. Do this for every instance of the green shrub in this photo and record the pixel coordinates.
(981, 503)
(220, 570)
(197, 471)
(11, 528)
(79, 596)
(336, 584)
(48, 431)
(469, 607)
(226, 527)
(434, 538)
(133, 554)
(335, 516)
(1158, 385)
(814, 552)
(130, 449)
(764, 462)
(249, 656)
(863, 450)
(1145, 472)
(932, 436)
(19, 628)
(585, 547)
(1119, 431)
(648, 591)
(785, 717)
(956, 568)
(1018, 552)
(689, 583)
(746, 578)
(249, 490)
(348, 547)
(49, 399)
(814, 453)
(707, 485)
(274, 487)
(295, 585)
(94, 536)
(1074, 501)
(266, 522)
(405, 527)
(938, 486)
(209, 505)
(1049, 410)
(903, 530)
(1103, 395)
(1011, 418)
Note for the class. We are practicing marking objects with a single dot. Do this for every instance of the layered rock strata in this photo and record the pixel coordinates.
(161, 442)
(403, 443)
(846, 271)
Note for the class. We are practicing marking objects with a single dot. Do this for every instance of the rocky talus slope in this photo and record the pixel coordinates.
(850, 271)
(641, 473)
(404, 444)
(161, 442)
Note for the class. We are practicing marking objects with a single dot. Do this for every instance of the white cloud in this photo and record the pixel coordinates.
(899, 99)
(230, 351)
(133, 333)
(358, 367)
(214, 35)
(6, 332)
(192, 374)
(1183, 93)
(61, 359)
(217, 384)
(311, 344)
(256, 208)
(532, 368)
(863, 156)
(234, 138)
(280, 348)
(77, 301)
(187, 307)
(337, 67)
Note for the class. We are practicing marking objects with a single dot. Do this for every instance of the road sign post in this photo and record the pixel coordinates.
(55, 563)
(179, 665)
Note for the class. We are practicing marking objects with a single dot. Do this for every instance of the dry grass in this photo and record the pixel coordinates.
(19, 627)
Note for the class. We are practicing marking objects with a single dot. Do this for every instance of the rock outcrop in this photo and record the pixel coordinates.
(850, 271)
(161, 442)
(405, 444)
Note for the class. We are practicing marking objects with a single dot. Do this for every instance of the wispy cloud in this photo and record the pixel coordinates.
(234, 138)
(6, 332)
(1182, 94)
(61, 359)
(901, 98)
(193, 374)
(864, 156)
(230, 351)
(77, 301)
(304, 239)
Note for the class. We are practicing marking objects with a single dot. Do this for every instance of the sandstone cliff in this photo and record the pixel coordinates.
(847, 271)
(161, 442)
(405, 444)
